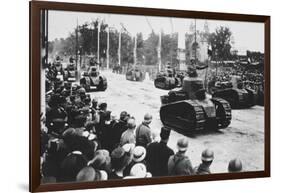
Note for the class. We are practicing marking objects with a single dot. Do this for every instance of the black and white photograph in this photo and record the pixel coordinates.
(138, 96)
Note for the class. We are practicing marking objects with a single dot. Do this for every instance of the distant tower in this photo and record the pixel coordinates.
(206, 28)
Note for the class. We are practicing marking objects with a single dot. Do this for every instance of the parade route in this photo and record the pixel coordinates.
(244, 138)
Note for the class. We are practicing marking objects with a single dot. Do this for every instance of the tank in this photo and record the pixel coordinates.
(189, 108)
(238, 96)
(70, 73)
(135, 74)
(92, 80)
(167, 79)
(166, 82)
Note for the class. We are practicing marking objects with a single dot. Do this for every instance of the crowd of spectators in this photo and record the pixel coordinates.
(252, 78)
(81, 140)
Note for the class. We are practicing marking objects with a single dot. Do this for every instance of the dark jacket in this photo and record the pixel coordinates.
(143, 135)
(202, 169)
(118, 129)
(157, 157)
(179, 164)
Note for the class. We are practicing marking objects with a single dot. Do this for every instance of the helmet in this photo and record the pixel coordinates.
(81, 91)
(207, 155)
(235, 165)
(182, 144)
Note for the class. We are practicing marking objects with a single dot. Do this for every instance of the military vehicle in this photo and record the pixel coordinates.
(135, 74)
(59, 68)
(167, 79)
(238, 96)
(93, 80)
(70, 73)
(189, 109)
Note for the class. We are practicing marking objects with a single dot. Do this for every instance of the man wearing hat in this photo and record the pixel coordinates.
(119, 160)
(158, 154)
(120, 127)
(89, 174)
(101, 160)
(139, 171)
(128, 136)
(143, 132)
(207, 158)
(179, 164)
(138, 156)
(71, 166)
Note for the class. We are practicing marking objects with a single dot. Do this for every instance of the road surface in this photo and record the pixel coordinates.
(244, 138)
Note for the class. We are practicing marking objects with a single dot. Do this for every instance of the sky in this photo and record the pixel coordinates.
(246, 35)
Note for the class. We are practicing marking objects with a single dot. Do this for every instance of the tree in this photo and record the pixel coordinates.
(150, 49)
(169, 48)
(140, 48)
(127, 49)
(220, 42)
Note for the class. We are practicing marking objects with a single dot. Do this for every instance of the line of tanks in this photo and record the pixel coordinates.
(187, 107)
(91, 79)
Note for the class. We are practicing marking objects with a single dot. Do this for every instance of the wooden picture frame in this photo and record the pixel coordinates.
(34, 100)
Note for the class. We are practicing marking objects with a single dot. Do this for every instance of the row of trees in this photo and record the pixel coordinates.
(84, 39)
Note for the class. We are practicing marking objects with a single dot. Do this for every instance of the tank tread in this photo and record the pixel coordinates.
(192, 117)
(200, 115)
(223, 111)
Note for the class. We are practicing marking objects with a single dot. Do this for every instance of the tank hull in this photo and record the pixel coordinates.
(187, 116)
(167, 83)
(94, 83)
(238, 98)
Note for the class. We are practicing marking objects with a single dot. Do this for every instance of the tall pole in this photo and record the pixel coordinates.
(119, 48)
(77, 46)
(98, 51)
(135, 52)
(159, 52)
(195, 44)
(47, 36)
(107, 50)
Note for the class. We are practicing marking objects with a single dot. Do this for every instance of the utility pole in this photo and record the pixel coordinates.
(76, 44)
(195, 37)
(159, 51)
(119, 48)
(98, 51)
(47, 36)
(107, 50)
(135, 52)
